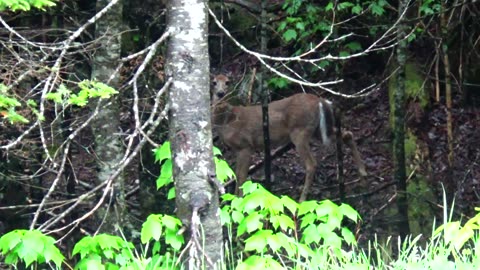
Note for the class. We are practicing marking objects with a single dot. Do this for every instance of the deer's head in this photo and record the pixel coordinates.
(220, 87)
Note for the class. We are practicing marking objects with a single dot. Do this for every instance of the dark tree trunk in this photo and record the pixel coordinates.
(399, 129)
(265, 97)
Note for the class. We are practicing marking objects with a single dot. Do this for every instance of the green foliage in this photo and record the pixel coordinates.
(103, 251)
(430, 7)
(63, 95)
(8, 105)
(25, 5)
(456, 236)
(88, 89)
(112, 252)
(163, 156)
(278, 82)
(29, 247)
(160, 225)
(270, 225)
(313, 19)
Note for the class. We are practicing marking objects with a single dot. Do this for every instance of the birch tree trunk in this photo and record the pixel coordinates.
(108, 145)
(190, 131)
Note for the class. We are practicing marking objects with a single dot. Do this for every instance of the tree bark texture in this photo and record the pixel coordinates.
(399, 129)
(190, 129)
(108, 143)
(265, 97)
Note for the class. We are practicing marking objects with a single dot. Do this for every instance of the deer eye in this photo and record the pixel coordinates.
(227, 83)
(214, 83)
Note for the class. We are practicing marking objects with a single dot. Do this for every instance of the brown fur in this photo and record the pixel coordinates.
(294, 119)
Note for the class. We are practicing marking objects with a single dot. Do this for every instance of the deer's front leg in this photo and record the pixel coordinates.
(347, 138)
(241, 168)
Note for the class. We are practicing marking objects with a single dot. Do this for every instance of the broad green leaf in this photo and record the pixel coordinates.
(151, 228)
(258, 241)
(290, 204)
(348, 236)
(171, 193)
(354, 46)
(84, 246)
(349, 212)
(163, 152)
(300, 26)
(311, 235)
(289, 35)
(357, 9)
(307, 207)
(174, 240)
(253, 221)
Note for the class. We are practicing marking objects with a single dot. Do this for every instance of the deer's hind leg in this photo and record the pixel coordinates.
(241, 168)
(347, 138)
(301, 140)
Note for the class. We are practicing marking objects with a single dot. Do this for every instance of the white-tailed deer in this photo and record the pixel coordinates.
(297, 119)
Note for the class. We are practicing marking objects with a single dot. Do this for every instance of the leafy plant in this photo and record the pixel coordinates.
(103, 251)
(29, 247)
(163, 156)
(8, 105)
(25, 5)
(269, 225)
(88, 89)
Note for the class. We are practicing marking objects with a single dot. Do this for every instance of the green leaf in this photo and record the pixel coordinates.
(216, 151)
(258, 241)
(84, 246)
(13, 117)
(290, 204)
(311, 235)
(171, 222)
(8, 102)
(52, 253)
(308, 219)
(225, 217)
(174, 240)
(300, 26)
(223, 170)
(348, 211)
(237, 216)
(329, 6)
(344, 5)
(171, 193)
(326, 208)
(166, 172)
(286, 222)
(289, 35)
(151, 228)
(357, 9)
(10, 240)
(106, 241)
(249, 187)
(377, 8)
(307, 207)
(348, 236)
(163, 152)
(253, 221)
(354, 46)
(344, 54)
